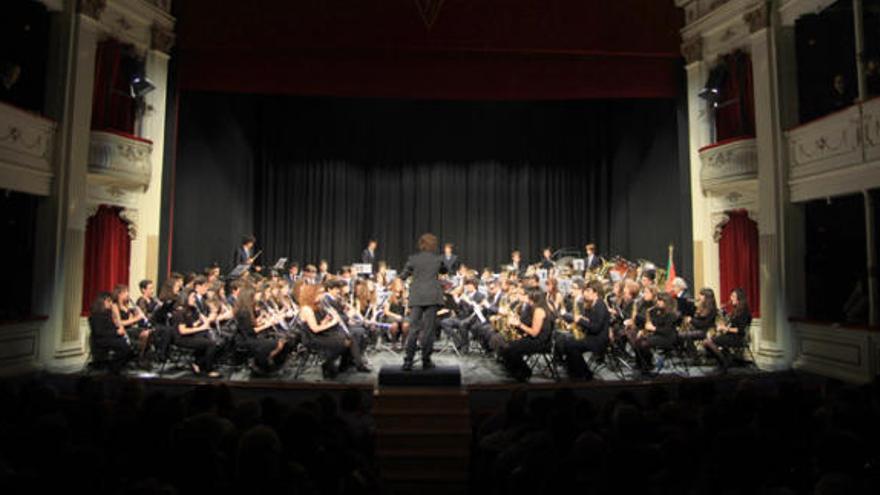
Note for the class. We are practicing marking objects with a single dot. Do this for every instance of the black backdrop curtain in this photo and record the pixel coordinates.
(316, 177)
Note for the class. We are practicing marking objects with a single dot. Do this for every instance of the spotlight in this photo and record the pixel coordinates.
(140, 86)
(712, 90)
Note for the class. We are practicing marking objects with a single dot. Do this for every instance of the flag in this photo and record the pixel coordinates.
(670, 271)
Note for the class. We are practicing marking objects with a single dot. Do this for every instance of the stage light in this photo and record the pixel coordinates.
(140, 86)
(711, 91)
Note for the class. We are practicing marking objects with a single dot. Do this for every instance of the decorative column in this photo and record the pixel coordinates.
(774, 340)
(72, 152)
(705, 268)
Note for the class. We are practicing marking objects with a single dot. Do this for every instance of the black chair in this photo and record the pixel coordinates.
(307, 353)
(741, 354)
(545, 360)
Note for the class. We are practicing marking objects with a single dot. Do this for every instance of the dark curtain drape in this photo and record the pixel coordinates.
(317, 177)
(735, 115)
(738, 259)
(112, 104)
(107, 253)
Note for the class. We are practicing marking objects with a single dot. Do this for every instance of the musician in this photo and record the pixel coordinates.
(450, 259)
(293, 273)
(732, 333)
(267, 350)
(483, 332)
(555, 299)
(368, 255)
(107, 336)
(462, 325)
(648, 278)
(128, 316)
(594, 323)
(657, 332)
(547, 259)
(327, 331)
(352, 325)
(310, 275)
(148, 303)
(233, 292)
(323, 271)
(244, 254)
(516, 264)
(193, 332)
(425, 299)
(536, 323)
(685, 306)
(169, 295)
(212, 273)
(593, 261)
(394, 312)
(696, 326)
(200, 286)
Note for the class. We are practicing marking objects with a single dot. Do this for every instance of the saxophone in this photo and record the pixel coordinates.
(573, 328)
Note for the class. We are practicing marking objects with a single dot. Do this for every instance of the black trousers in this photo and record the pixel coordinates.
(260, 348)
(421, 331)
(574, 350)
(515, 353)
(205, 347)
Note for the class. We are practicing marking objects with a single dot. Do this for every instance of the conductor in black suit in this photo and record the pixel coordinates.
(369, 254)
(425, 299)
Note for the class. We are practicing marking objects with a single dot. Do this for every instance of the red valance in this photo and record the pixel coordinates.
(738, 259)
(107, 253)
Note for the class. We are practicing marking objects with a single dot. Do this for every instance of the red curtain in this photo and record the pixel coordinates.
(738, 253)
(107, 254)
(112, 104)
(735, 115)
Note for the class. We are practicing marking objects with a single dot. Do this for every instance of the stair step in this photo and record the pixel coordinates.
(408, 439)
(425, 452)
(428, 471)
(422, 399)
(436, 422)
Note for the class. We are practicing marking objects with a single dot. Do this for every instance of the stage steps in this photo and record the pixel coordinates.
(423, 439)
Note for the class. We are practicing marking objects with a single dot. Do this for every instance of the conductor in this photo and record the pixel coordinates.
(425, 299)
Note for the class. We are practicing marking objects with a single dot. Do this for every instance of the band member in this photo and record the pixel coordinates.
(535, 322)
(547, 259)
(395, 312)
(657, 331)
(697, 326)
(468, 314)
(731, 334)
(555, 299)
(648, 277)
(233, 291)
(594, 323)
(212, 273)
(516, 264)
(244, 254)
(323, 271)
(352, 324)
(593, 261)
(193, 332)
(131, 318)
(326, 328)
(425, 299)
(450, 259)
(148, 302)
(293, 274)
(106, 336)
(169, 295)
(368, 255)
(267, 350)
(683, 303)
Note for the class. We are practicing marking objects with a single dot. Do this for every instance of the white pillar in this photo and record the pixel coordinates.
(64, 339)
(705, 267)
(774, 341)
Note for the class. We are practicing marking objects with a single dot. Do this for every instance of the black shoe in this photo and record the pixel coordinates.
(407, 365)
(329, 371)
(427, 364)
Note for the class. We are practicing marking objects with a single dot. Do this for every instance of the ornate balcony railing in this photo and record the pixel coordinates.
(26, 141)
(727, 162)
(120, 160)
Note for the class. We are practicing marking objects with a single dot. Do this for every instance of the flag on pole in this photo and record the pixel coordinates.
(670, 271)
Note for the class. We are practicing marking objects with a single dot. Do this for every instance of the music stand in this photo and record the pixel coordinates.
(279, 265)
(362, 269)
(578, 264)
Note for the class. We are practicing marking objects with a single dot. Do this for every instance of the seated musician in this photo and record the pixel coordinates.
(108, 339)
(695, 327)
(483, 332)
(685, 306)
(353, 318)
(458, 327)
(328, 334)
(594, 324)
(148, 302)
(535, 324)
(547, 259)
(555, 299)
(194, 332)
(132, 319)
(732, 333)
(657, 331)
(267, 349)
(395, 313)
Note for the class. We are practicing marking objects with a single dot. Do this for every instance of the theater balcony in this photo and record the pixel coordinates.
(836, 154)
(25, 150)
(727, 163)
(119, 160)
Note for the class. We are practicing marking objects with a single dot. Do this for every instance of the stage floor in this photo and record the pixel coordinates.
(476, 369)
